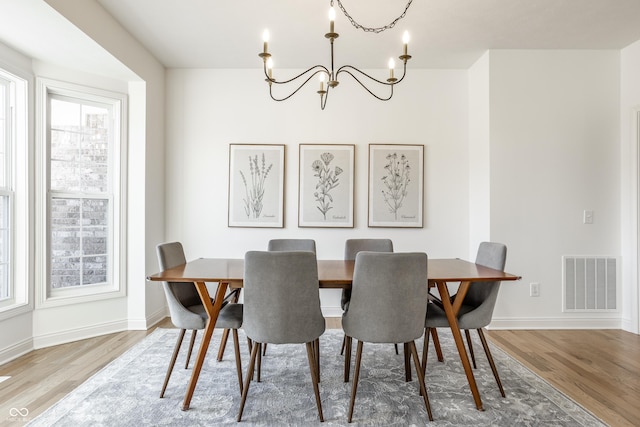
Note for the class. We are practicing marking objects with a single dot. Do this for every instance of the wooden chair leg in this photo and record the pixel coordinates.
(356, 376)
(407, 362)
(344, 341)
(473, 356)
(174, 356)
(396, 346)
(347, 358)
(191, 342)
(420, 375)
(236, 346)
(436, 344)
(316, 347)
(425, 348)
(487, 351)
(223, 344)
(235, 295)
(313, 368)
(247, 381)
(264, 349)
(259, 359)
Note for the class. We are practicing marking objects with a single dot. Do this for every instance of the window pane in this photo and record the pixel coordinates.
(4, 247)
(65, 272)
(79, 147)
(4, 130)
(79, 241)
(94, 270)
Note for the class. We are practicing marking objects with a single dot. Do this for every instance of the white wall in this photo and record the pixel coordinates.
(554, 153)
(479, 151)
(630, 138)
(208, 109)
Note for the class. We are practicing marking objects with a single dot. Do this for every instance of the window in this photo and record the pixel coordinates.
(6, 192)
(84, 204)
(14, 273)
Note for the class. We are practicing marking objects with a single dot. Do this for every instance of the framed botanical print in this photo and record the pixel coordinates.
(396, 178)
(326, 175)
(256, 185)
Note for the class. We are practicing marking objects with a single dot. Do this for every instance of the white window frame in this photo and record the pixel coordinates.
(116, 282)
(17, 188)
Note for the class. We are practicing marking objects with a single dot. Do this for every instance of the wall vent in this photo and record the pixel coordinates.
(590, 283)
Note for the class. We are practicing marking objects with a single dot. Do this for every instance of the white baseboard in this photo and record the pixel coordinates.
(71, 335)
(16, 350)
(332, 311)
(555, 323)
(146, 323)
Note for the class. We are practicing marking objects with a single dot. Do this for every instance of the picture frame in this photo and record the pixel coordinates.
(396, 185)
(256, 185)
(326, 185)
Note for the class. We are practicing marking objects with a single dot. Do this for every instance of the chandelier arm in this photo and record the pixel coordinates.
(365, 87)
(299, 87)
(404, 73)
(344, 68)
(320, 68)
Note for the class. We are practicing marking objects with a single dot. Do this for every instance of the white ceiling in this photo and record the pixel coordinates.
(444, 33)
(228, 34)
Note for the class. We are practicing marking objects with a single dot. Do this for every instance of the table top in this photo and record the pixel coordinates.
(331, 273)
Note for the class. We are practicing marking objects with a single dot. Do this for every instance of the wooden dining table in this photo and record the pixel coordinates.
(332, 274)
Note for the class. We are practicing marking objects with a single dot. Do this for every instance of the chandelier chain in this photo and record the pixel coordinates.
(371, 29)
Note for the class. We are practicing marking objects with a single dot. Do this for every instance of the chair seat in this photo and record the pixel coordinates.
(437, 318)
(230, 316)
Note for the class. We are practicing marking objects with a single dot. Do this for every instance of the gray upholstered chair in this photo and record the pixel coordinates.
(477, 307)
(292, 245)
(282, 303)
(379, 313)
(187, 311)
(280, 245)
(351, 248)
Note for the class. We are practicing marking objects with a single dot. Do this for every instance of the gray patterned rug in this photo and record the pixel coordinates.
(125, 392)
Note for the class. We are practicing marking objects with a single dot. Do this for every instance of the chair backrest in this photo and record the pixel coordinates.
(281, 297)
(483, 296)
(353, 246)
(179, 295)
(292, 245)
(388, 297)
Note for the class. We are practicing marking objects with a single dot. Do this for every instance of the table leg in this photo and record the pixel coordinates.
(212, 309)
(451, 312)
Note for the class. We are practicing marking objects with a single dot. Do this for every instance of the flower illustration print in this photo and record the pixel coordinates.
(327, 181)
(395, 182)
(254, 187)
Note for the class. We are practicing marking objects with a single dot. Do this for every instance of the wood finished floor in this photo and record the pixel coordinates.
(599, 369)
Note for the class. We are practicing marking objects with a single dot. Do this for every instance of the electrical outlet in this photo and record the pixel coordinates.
(534, 289)
(587, 217)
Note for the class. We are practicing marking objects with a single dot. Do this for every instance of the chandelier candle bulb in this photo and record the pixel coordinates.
(265, 39)
(392, 65)
(405, 41)
(332, 18)
(270, 68)
(321, 77)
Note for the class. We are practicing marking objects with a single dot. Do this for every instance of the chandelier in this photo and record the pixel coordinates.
(330, 75)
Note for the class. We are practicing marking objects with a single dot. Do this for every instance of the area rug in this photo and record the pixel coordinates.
(125, 392)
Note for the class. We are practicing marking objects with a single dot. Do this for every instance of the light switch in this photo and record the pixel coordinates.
(587, 217)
